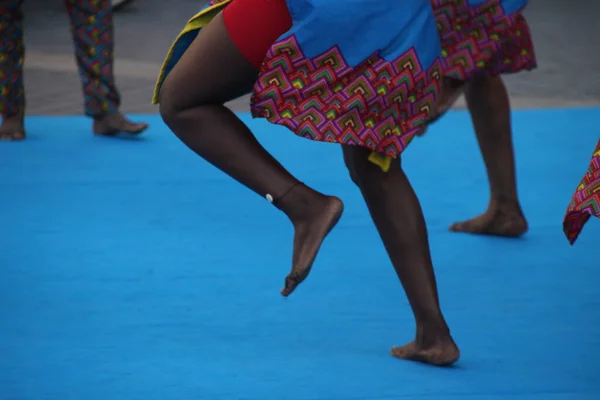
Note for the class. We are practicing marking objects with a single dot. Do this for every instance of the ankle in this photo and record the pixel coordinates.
(104, 116)
(504, 205)
(299, 202)
(434, 322)
(430, 334)
(13, 119)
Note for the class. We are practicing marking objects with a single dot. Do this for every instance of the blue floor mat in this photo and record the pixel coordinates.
(130, 269)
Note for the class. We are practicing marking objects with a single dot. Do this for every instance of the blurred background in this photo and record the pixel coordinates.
(564, 33)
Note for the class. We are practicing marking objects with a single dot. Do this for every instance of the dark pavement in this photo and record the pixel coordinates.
(565, 34)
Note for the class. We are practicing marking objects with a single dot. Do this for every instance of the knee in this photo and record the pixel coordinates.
(353, 167)
(365, 173)
(169, 110)
(354, 176)
(180, 108)
(175, 101)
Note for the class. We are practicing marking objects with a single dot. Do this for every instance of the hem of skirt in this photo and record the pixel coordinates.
(573, 230)
(379, 157)
(258, 112)
(490, 72)
(384, 147)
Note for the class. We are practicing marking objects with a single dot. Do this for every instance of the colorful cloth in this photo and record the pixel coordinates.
(92, 29)
(586, 201)
(483, 36)
(12, 92)
(352, 72)
(479, 37)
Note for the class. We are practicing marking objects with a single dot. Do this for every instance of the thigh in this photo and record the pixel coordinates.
(354, 157)
(361, 169)
(212, 70)
(221, 63)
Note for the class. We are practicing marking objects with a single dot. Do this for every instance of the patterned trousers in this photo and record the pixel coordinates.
(92, 30)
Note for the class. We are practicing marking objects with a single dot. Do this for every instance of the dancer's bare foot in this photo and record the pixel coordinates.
(442, 353)
(12, 128)
(310, 230)
(113, 124)
(495, 222)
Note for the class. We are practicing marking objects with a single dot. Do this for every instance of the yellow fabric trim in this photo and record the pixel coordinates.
(384, 162)
(197, 22)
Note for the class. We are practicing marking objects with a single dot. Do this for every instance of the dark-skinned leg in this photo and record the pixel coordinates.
(210, 73)
(489, 106)
(397, 214)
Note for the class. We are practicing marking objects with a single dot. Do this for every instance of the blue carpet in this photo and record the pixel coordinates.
(131, 270)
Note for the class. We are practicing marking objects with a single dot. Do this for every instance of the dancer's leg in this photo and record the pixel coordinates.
(489, 105)
(397, 214)
(210, 73)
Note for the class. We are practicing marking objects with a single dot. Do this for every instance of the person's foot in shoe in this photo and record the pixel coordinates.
(12, 128)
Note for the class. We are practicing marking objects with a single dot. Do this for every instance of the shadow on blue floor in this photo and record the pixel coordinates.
(131, 270)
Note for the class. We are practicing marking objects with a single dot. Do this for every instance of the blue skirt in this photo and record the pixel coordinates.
(352, 72)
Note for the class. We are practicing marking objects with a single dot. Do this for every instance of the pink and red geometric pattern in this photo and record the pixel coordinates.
(379, 104)
(482, 38)
(586, 201)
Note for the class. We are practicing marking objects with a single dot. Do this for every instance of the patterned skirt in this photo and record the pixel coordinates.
(483, 36)
(586, 201)
(352, 72)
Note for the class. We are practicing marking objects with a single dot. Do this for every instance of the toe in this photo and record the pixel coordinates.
(136, 127)
(290, 285)
(16, 135)
(456, 227)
